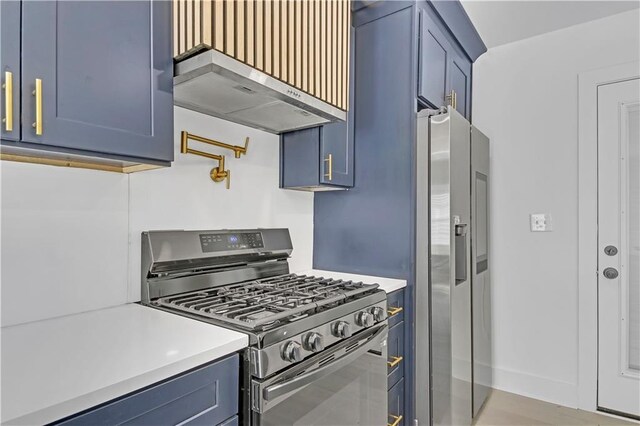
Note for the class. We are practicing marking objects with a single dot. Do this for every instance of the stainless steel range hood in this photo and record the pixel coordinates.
(216, 84)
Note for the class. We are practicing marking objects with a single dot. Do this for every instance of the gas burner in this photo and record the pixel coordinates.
(258, 304)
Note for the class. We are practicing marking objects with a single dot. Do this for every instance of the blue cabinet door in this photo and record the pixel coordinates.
(396, 404)
(10, 63)
(205, 396)
(336, 147)
(106, 69)
(460, 82)
(434, 61)
(443, 67)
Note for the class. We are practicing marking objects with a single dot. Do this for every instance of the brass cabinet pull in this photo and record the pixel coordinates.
(394, 310)
(8, 101)
(396, 420)
(452, 99)
(395, 360)
(38, 94)
(329, 160)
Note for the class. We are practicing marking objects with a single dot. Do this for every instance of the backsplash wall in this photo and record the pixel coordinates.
(70, 238)
(185, 197)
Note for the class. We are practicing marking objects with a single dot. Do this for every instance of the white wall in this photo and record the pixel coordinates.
(525, 99)
(70, 238)
(185, 197)
(64, 241)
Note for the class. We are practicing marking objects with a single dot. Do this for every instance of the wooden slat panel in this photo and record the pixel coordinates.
(240, 30)
(250, 26)
(207, 23)
(347, 55)
(259, 17)
(176, 29)
(284, 41)
(275, 9)
(197, 22)
(292, 41)
(218, 25)
(268, 37)
(298, 33)
(311, 45)
(317, 35)
(188, 10)
(323, 47)
(230, 27)
(182, 33)
(304, 51)
(339, 47)
(305, 43)
(334, 51)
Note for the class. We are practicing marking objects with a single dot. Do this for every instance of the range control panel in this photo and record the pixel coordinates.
(230, 241)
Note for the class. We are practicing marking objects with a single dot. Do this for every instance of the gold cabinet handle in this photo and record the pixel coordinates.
(393, 310)
(329, 160)
(395, 360)
(8, 101)
(452, 99)
(396, 420)
(38, 94)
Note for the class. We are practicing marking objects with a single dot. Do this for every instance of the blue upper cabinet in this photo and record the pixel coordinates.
(10, 60)
(434, 50)
(97, 78)
(320, 158)
(317, 159)
(444, 75)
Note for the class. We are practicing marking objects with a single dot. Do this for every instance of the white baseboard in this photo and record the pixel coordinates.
(542, 388)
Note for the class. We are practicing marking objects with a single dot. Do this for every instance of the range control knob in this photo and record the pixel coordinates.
(292, 352)
(364, 319)
(341, 329)
(313, 342)
(378, 313)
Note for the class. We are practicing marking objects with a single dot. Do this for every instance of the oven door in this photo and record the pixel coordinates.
(343, 385)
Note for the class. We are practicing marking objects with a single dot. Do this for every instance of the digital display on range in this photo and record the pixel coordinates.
(234, 241)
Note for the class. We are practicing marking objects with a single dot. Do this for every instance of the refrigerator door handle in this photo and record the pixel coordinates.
(460, 242)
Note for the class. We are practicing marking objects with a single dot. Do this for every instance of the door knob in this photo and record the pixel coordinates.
(610, 273)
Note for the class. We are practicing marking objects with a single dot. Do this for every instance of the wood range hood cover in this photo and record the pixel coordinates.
(276, 65)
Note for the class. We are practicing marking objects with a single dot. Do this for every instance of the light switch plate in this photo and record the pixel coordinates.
(541, 222)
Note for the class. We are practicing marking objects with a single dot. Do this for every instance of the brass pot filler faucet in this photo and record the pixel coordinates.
(218, 174)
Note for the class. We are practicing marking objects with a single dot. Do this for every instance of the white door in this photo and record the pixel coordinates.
(619, 247)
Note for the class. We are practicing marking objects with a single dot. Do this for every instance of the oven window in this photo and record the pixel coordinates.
(356, 394)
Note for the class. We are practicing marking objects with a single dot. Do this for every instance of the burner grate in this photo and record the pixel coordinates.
(256, 304)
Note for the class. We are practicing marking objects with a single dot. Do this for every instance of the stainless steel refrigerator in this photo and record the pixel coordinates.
(453, 305)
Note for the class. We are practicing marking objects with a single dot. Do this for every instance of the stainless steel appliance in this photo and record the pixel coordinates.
(453, 320)
(318, 347)
(216, 84)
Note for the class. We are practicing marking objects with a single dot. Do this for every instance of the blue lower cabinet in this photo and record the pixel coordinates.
(396, 404)
(233, 421)
(205, 396)
(395, 307)
(396, 353)
(395, 347)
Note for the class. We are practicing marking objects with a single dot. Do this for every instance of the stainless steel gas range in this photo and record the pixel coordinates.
(317, 347)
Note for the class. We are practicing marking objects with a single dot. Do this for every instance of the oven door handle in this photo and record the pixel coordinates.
(278, 390)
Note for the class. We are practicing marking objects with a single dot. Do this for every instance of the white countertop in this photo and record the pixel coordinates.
(57, 367)
(387, 284)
